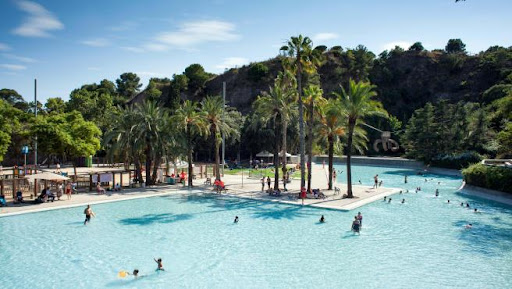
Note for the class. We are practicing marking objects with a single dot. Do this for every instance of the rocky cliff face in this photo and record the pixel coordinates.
(405, 80)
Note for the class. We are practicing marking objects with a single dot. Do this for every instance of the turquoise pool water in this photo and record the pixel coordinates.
(419, 244)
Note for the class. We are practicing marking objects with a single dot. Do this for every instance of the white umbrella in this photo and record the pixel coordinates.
(47, 176)
(264, 154)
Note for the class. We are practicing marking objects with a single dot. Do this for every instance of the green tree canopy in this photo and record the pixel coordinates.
(455, 46)
(55, 105)
(67, 135)
(196, 76)
(128, 84)
(417, 46)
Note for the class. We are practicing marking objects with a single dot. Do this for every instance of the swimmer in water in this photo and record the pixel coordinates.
(389, 200)
(400, 192)
(462, 204)
(236, 219)
(322, 219)
(135, 273)
(469, 226)
(448, 201)
(160, 265)
(385, 198)
(476, 211)
(437, 192)
(403, 201)
(467, 205)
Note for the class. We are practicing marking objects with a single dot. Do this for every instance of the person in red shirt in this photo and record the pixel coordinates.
(303, 194)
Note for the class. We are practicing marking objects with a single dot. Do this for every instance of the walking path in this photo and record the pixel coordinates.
(246, 188)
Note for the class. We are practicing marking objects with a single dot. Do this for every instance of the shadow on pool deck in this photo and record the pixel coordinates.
(496, 239)
(150, 219)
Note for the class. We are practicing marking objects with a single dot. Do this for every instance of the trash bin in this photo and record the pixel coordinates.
(171, 181)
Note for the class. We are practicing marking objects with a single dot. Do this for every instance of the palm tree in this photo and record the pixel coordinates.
(304, 58)
(191, 123)
(313, 100)
(277, 105)
(122, 141)
(357, 104)
(151, 120)
(220, 121)
(332, 126)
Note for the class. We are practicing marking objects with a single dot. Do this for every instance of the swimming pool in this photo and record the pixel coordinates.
(419, 244)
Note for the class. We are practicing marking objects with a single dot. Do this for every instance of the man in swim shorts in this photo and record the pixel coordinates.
(88, 213)
(356, 225)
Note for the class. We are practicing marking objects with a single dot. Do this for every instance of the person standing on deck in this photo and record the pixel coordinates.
(375, 181)
(268, 182)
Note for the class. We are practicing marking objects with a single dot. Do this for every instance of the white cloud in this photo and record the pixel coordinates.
(231, 62)
(325, 36)
(404, 44)
(39, 21)
(96, 42)
(14, 67)
(133, 49)
(4, 47)
(19, 58)
(124, 26)
(194, 33)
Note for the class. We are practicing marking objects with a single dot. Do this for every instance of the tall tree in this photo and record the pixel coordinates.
(191, 123)
(357, 104)
(67, 135)
(220, 121)
(455, 46)
(331, 127)
(122, 141)
(152, 120)
(128, 84)
(55, 105)
(277, 106)
(314, 98)
(302, 58)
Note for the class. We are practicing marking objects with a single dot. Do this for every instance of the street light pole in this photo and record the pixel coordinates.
(223, 137)
(35, 143)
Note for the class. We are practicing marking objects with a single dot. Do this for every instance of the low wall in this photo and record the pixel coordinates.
(376, 161)
(488, 194)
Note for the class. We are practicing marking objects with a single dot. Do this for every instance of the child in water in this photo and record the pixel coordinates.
(236, 219)
(160, 265)
(322, 219)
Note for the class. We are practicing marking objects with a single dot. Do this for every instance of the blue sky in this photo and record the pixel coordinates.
(65, 44)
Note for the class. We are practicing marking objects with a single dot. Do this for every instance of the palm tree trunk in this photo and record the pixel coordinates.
(310, 142)
(189, 157)
(276, 155)
(217, 158)
(331, 157)
(138, 169)
(156, 165)
(301, 123)
(351, 125)
(148, 162)
(284, 150)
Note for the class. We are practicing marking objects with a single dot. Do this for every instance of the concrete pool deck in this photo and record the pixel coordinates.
(248, 188)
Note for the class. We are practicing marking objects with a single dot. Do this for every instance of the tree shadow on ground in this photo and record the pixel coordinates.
(485, 238)
(221, 202)
(280, 211)
(150, 219)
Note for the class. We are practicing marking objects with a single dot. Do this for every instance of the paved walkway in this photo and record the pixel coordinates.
(246, 188)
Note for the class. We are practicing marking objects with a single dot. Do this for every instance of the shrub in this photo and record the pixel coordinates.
(257, 71)
(490, 177)
(456, 161)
